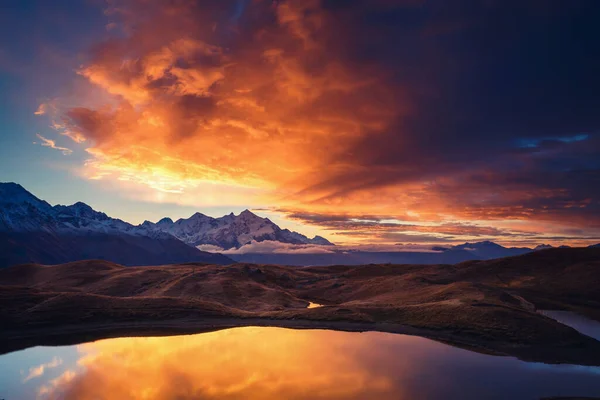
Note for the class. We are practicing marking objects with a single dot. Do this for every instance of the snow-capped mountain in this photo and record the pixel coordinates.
(20, 211)
(31, 230)
(230, 231)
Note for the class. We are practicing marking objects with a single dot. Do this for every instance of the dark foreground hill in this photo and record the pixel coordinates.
(51, 248)
(486, 306)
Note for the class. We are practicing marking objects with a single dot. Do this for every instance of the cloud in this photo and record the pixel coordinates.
(383, 230)
(54, 388)
(52, 144)
(273, 247)
(385, 225)
(393, 108)
(248, 102)
(39, 370)
(210, 248)
(42, 109)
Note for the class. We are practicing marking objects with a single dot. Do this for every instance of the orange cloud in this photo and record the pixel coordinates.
(313, 106)
(52, 144)
(188, 111)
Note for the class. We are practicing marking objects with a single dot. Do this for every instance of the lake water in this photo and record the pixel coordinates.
(582, 324)
(276, 363)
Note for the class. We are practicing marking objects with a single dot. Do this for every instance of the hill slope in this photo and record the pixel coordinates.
(46, 248)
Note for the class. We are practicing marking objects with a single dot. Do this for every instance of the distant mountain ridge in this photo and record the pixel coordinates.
(21, 211)
(484, 250)
(487, 250)
(31, 230)
(230, 231)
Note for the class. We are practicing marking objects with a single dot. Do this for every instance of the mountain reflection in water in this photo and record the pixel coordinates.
(275, 363)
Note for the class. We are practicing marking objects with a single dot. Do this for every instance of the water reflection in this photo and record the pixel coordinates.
(578, 322)
(273, 363)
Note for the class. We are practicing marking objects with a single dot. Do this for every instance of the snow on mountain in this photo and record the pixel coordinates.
(21, 211)
(31, 230)
(543, 247)
(81, 217)
(230, 231)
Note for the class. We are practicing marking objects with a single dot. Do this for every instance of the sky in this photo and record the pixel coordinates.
(367, 122)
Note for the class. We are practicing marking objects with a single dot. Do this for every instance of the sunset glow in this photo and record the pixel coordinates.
(366, 122)
(249, 363)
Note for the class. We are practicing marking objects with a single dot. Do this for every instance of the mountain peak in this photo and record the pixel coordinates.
(11, 186)
(16, 197)
(15, 192)
(250, 217)
(197, 215)
(165, 220)
(247, 213)
(320, 240)
(475, 245)
(487, 249)
(484, 243)
(80, 209)
(81, 206)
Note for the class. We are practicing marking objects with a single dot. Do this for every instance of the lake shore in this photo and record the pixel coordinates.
(80, 333)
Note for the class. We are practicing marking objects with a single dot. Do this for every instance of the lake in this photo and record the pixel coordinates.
(578, 322)
(277, 363)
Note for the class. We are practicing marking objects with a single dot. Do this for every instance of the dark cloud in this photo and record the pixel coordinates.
(479, 77)
(386, 227)
(408, 110)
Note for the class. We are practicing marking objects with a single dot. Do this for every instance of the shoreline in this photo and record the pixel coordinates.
(77, 334)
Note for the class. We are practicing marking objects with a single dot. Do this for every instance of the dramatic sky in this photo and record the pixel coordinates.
(380, 121)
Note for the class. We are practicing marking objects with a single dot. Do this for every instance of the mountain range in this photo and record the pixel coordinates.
(229, 231)
(32, 230)
(484, 250)
(487, 250)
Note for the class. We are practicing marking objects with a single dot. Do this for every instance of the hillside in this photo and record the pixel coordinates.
(47, 248)
(486, 306)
